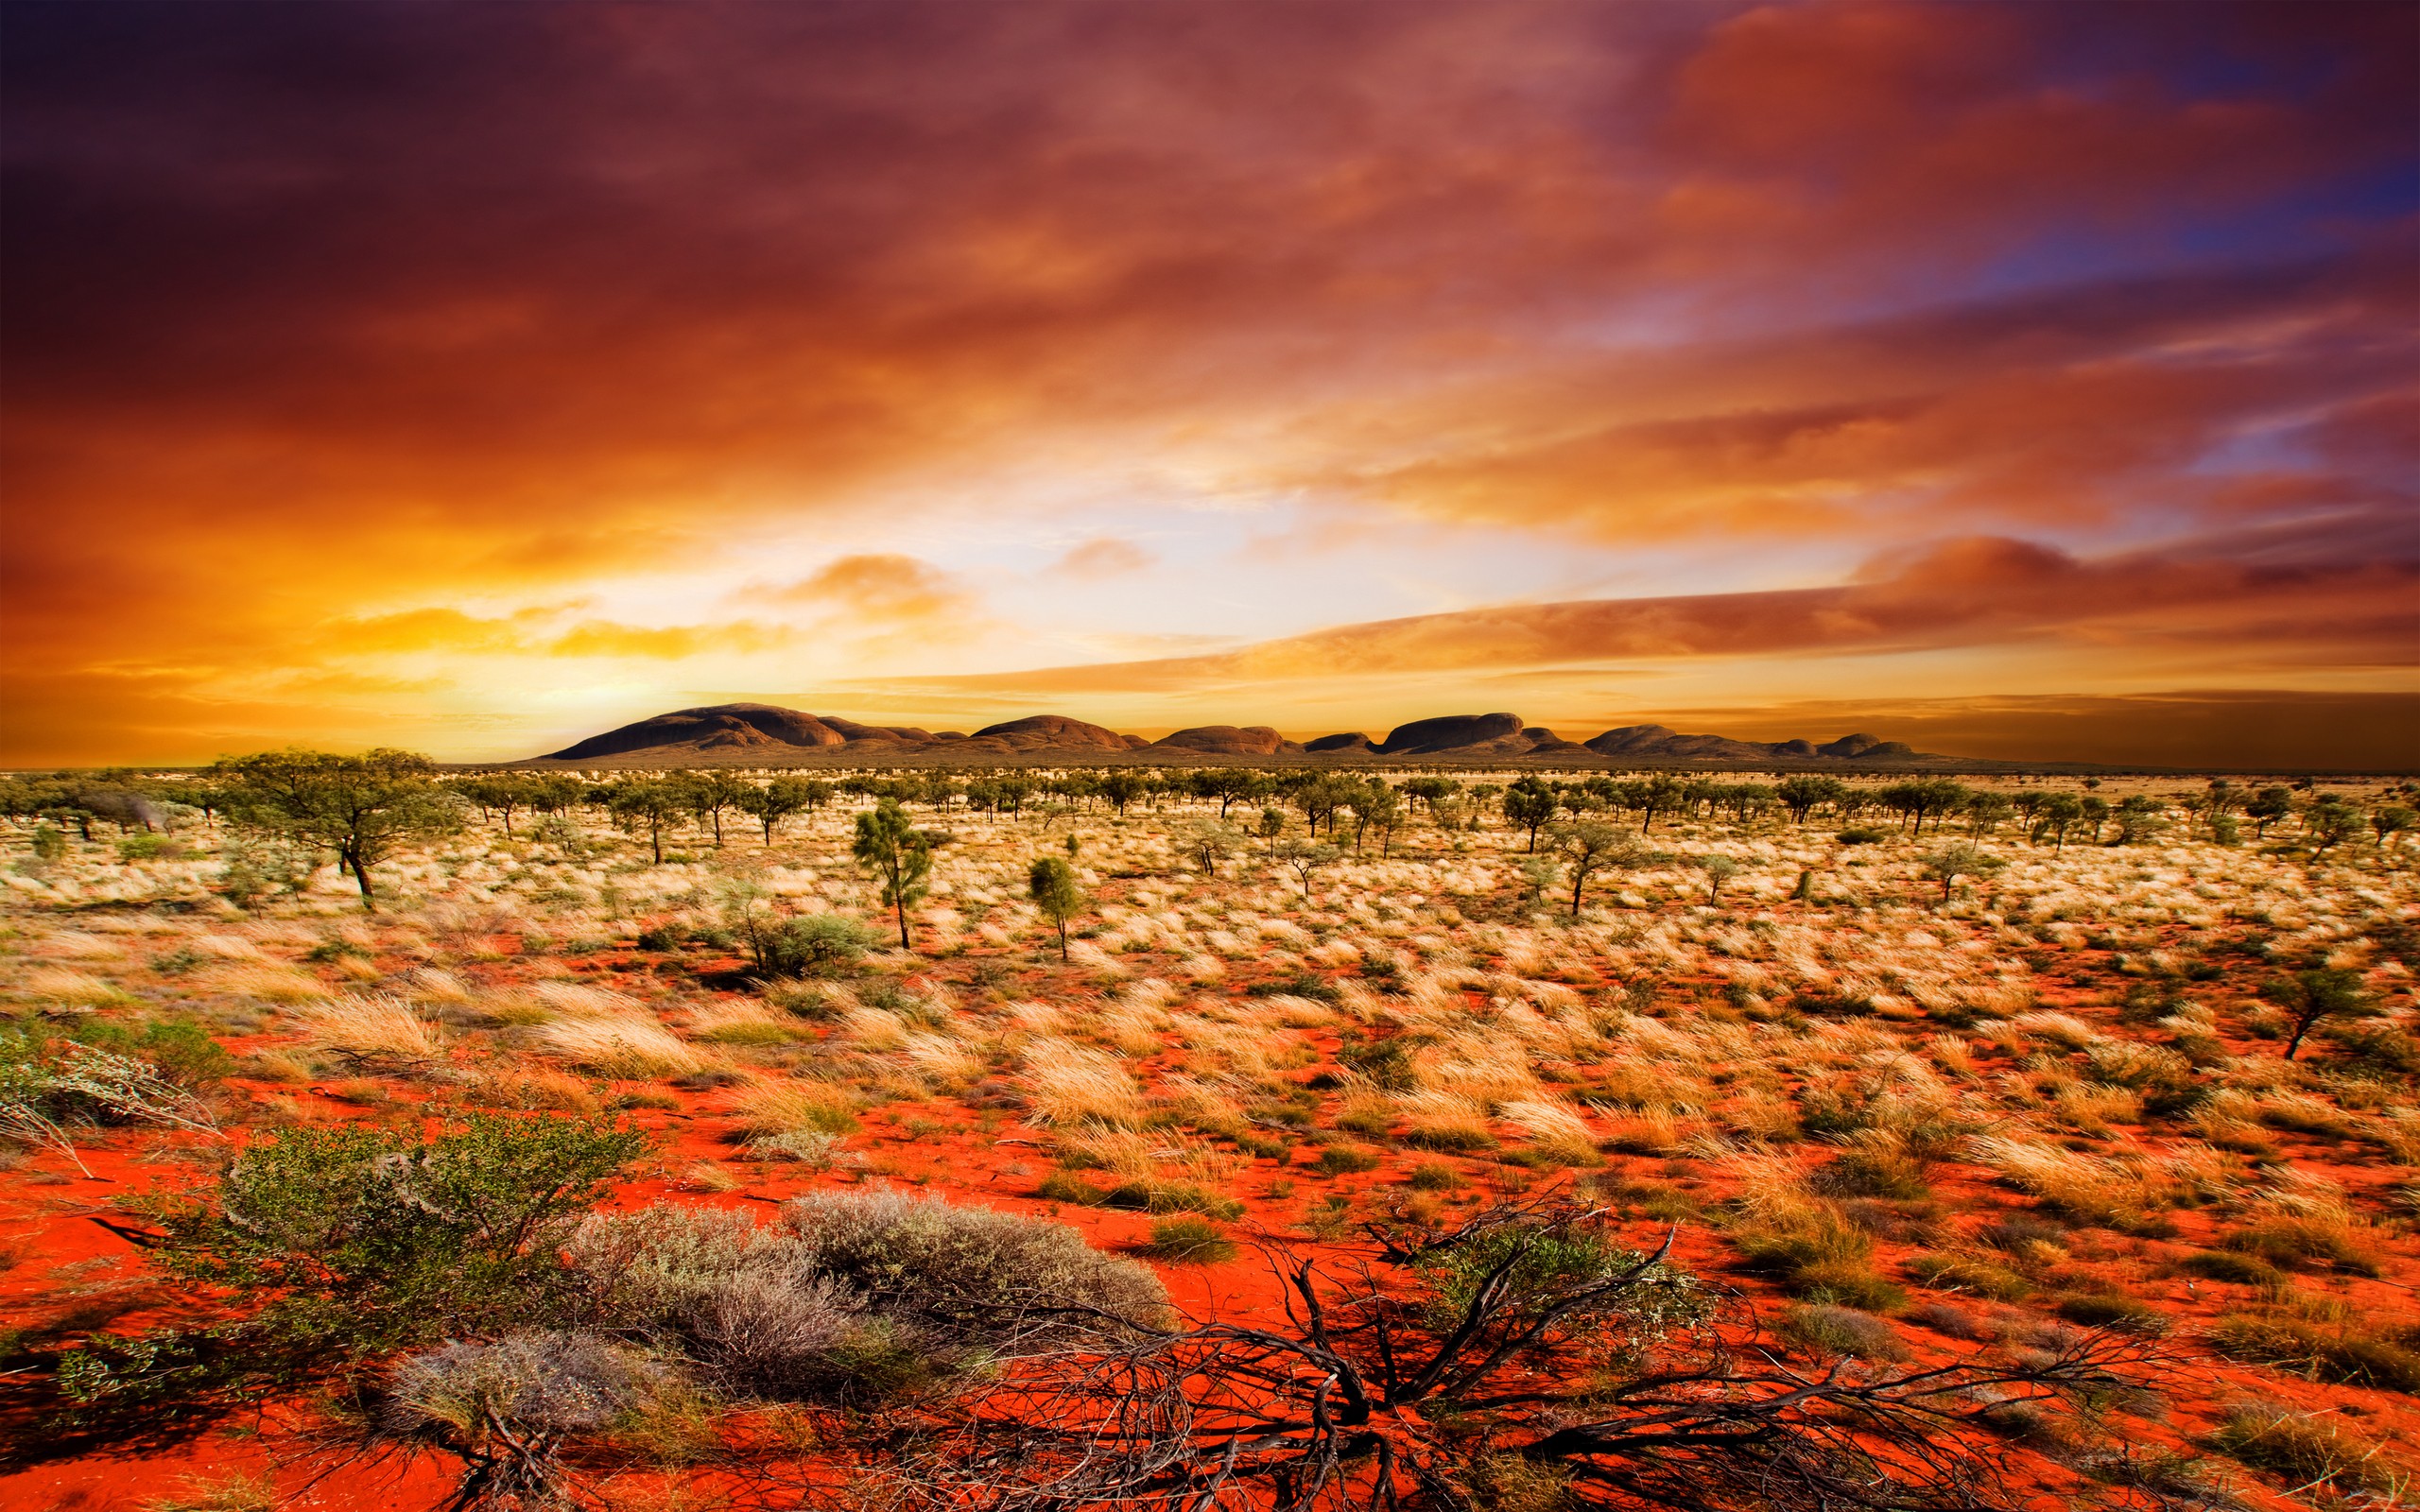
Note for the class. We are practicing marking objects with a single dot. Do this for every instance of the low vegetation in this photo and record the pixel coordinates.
(1475, 1141)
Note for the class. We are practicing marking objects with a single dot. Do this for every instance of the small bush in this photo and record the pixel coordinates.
(2122, 1313)
(1823, 1328)
(1341, 1160)
(1825, 1261)
(2343, 1355)
(1189, 1241)
(183, 1049)
(366, 1239)
(2303, 1243)
(1865, 1172)
(2303, 1449)
(2227, 1265)
(1861, 834)
(1434, 1175)
(1951, 1322)
(815, 945)
(1953, 1273)
(1260, 1146)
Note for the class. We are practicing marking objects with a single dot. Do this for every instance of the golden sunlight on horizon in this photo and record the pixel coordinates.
(2014, 380)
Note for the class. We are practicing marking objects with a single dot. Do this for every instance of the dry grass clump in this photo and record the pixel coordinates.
(371, 1026)
(2308, 1451)
(73, 988)
(267, 982)
(1071, 1084)
(770, 1109)
(625, 1047)
(2127, 1192)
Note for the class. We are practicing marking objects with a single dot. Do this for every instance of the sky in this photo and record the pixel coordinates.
(2035, 380)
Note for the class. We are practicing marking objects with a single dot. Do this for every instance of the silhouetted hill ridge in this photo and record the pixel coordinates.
(748, 732)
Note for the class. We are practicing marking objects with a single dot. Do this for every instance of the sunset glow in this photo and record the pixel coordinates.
(2025, 380)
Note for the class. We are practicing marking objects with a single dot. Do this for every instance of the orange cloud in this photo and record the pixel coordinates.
(1103, 557)
(881, 587)
(1953, 593)
(315, 310)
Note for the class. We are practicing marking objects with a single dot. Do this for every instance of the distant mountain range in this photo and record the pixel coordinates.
(766, 734)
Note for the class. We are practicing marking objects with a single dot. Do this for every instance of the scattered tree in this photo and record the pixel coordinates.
(2311, 996)
(1052, 884)
(1958, 859)
(360, 807)
(649, 804)
(897, 853)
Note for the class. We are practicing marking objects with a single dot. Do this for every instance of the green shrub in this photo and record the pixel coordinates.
(1861, 834)
(364, 1239)
(182, 1049)
(1824, 1328)
(1170, 1196)
(1386, 1063)
(2227, 1265)
(1340, 1159)
(2122, 1313)
(2302, 1242)
(1434, 1175)
(2343, 1355)
(1868, 1173)
(2303, 1449)
(1189, 1241)
(1828, 1260)
(1953, 1273)
(814, 945)
(1065, 1186)
(1260, 1146)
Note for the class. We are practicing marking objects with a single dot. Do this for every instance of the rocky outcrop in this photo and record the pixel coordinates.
(1228, 740)
(1052, 732)
(1452, 732)
(753, 732)
(737, 725)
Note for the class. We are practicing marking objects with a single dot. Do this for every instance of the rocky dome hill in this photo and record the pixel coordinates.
(763, 735)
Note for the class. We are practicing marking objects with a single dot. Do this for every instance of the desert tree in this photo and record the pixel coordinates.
(779, 799)
(1590, 847)
(2266, 808)
(1719, 868)
(1805, 793)
(1930, 797)
(2308, 998)
(1051, 884)
(1377, 803)
(1304, 857)
(2329, 822)
(899, 854)
(2389, 820)
(1986, 812)
(1273, 824)
(712, 794)
(2094, 811)
(2140, 817)
(361, 807)
(1430, 791)
(504, 792)
(1122, 787)
(1207, 843)
(1526, 1350)
(2060, 812)
(1531, 805)
(1955, 860)
(647, 806)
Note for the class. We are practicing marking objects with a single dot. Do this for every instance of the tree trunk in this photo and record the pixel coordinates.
(900, 907)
